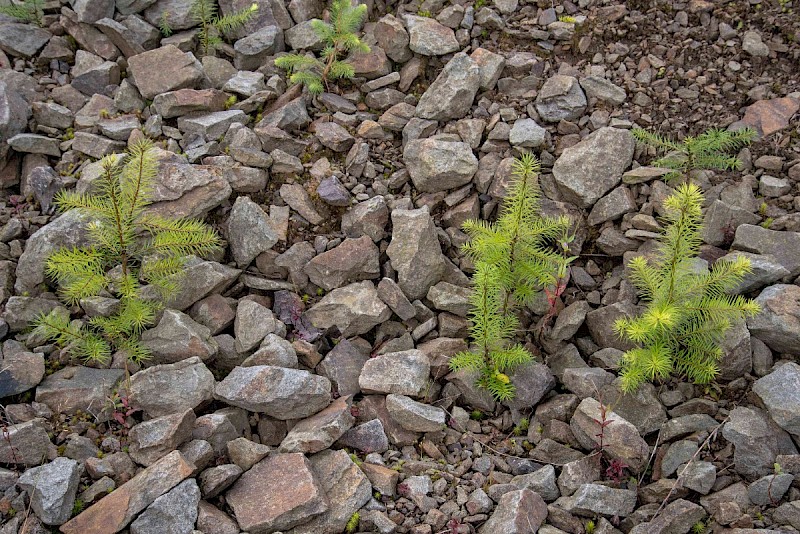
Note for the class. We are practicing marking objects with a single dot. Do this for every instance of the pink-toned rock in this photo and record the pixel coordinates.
(278, 493)
(319, 431)
(113, 512)
(183, 101)
(770, 116)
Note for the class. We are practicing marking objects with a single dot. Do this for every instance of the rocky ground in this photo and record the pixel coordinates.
(301, 376)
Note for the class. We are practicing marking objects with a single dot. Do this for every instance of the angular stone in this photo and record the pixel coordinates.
(252, 51)
(527, 133)
(756, 440)
(20, 372)
(184, 101)
(560, 98)
(175, 512)
(770, 116)
(342, 366)
(250, 231)
(415, 416)
(415, 252)
(334, 136)
(164, 69)
(451, 298)
(354, 309)
(698, 476)
(211, 125)
(52, 488)
(297, 198)
(35, 144)
(429, 38)
(603, 90)
(542, 481)
(403, 373)
(293, 496)
(276, 391)
(319, 431)
(25, 443)
(367, 437)
(587, 171)
(79, 388)
(769, 489)
(14, 111)
(177, 337)
(753, 238)
(352, 261)
(436, 165)
(491, 65)
(599, 499)
(172, 388)
(450, 96)
(188, 190)
(532, 382)
(778, 324)
(518, 512)
(367, 218)
(115, 511)
(23, 40)
(612, 206)
(678, 516)
(157, 437)
(777, 391)
(393, 38)
(200, 279)
(217, 479)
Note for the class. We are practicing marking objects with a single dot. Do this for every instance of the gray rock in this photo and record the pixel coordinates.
(612, 206)
(429, 38)
(576, 473)
(332, 191)
(303, 37)
(526, 133)
(252, 51)
(217, 479)
(753, 45)
(532, 382)
(20, 371)
(541, 481)
(402, 373)
(245, 83)
(603, 90)
(14, 113)
(560, 98)
(450, 96)
(415, 416)
(368, 437)
(342, 366)
(585, 382)
(35, 144)
(518, 512)
(175, 512)
(352, 261)
(601, 320)
(246, 453)
(778, 324)
(393, 38)
(678, 516)
(491, 65)
(354, 309)
(598, 499)
(319, 431)
(679, 453)
(172, 388)
(164, 69)
(782, 245)
(22, 40)
(569, 320)
(642, 409)
(587, 171)
(274, 350)
(185, 101)
(252, 324)
(188, 190)
(766, 269)
(276, 391)
(179, 14)
(770, 489)
(722, 220)
(211, 125)
(200, 279)
(177, 337)
(52, 488)
(698, 476)
(91, 74)
(95, 146)
(451, 298)
(250, 231)
(770, 186)
(297, 198)
(367, 218)
(80, 388)
(334, 136)
(756, 440)
(437, 165)
(415, 252)
(291, 116)
(777, 392)
(155, 438)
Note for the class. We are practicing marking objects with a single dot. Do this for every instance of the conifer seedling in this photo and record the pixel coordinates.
(339, 38)
(687, 312)
(515, 258)
(709, 150)
(213, 25)
(131, 249)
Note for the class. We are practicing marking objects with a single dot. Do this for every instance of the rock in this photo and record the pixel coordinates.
(576, 473)
(429, 38)
(332, 191)
(588, 170)
(436, 165)
(319, 431)
(200, 279)
(291, 117)
(276, 391)
(621, 439)
(175, 512)
(769, 186)
(612, 206)
(35, 144)
(367, 218)
(769, 489)
(21, 311)
(777, 392)
(678, 516)
(532, 382)
(245, 453)
(68, 230)
(252, 51)
(342, 366)
(450, 96)
(753, 45)
(569, 320)
(85, 389)
(178, 13)
(756, 440)
(451, 298)
(250, 231)
(368, 437)
(14, 113)
(297, 198)
(95, 146)
(601, 320)
(217, 479)
(642, 409)
(598, 499)
(91, 74)
(188, 190)
(491, 66)
(415, 416)
(157, 437)
(293, 497)
(585, 382)
(698, 476)
(526, 133)
(354, 309)
(722, 220)
(164, 69)
(393, 38)
(177, 337)
(603, 90)
(334, 136)
(52, 488)
(346, 488)
(560, 98)
(168, 389)
(352, 261)
(274, 350)
(23, 40)
(770, 116)
(415, 252)
(113, 512)
(542, 481)
(766, 269)
(518, 512)
(778, 324)
(211, 125)
(245, 83)
(185, 101)
(20, 371)
(752, 238)
(402, 373)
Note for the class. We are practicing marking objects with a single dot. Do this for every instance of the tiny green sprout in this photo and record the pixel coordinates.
(78, 507)
(306, 298)
(567, 19)
(766, 223)
(352, 524)
(589, 527)
(355, 458)
(320, 292)
(231, 101)
(762, 209)
(522, 427)
(377, 495)
(478, 4)
(759, 516)
(424, 13)
(476, 415)
(777, 468)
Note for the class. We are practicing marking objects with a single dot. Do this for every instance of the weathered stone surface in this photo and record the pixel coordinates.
(252, 324)
(403, 373)
(765, 270)
(779, 393)
(52, 488)
(184, 190)
(276, 391)
(368, 437)
(250, 231)
(175, 512)
(177, 337)
(769, 489)
(542, 481)
(532, 382)
(491, 65)
(436, 165)
(79, 388)
(560, 98)
(115, 511)
(157, 437)
(451, 94)
(20, 372)
(211, 125)
(778, 324)
(293, 496)
(587, 171)
(518, 512)
(756, 440)
(25, 443)
(14, 111)
(184, 101)
(598, 499)
(352, 261)
(246, 453)
(353, 309)
(415, 416)
(319, 431)
(781, 245)
(201, 278)
(23, 40)
(678, 516)
(346, 488)
(172, 388)
(429, 38)
(342, 365)
(770, 116)
(415, 252)
(252, 51)
(603, 90)
(164, 69)
(217, 479)
(621, 439)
